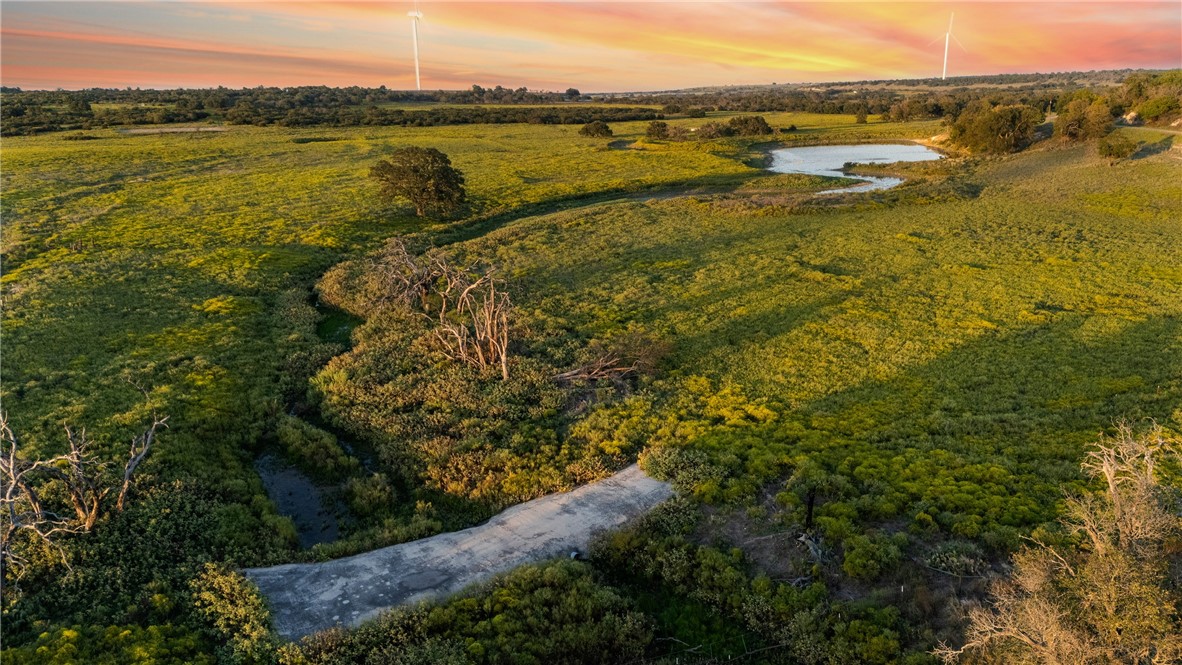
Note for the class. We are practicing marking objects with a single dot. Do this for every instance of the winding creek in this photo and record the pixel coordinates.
(831, 160)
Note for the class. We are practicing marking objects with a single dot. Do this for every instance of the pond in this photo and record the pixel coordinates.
(315, 513)
(830, 160)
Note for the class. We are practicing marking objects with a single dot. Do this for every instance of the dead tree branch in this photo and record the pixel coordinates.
(85, 479)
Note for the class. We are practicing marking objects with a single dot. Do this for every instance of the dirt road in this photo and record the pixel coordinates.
(307, 597)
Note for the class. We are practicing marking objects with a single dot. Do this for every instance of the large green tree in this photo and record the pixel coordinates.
(423, 176)
(983, 127)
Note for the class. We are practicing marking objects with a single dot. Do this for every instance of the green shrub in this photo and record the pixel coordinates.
(113, 645)
(868, 557)
(657, 130)
(1117, 147)
(596, 129)
(371, 495)
(235, 615)
(314, 450)
(1158, 107)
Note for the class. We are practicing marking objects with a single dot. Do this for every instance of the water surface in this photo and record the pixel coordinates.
(830, 160)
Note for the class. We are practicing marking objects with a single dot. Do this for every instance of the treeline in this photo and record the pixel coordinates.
(212, 99)
(23, 117)
(891, 104)
(43, 111)
(901, 101)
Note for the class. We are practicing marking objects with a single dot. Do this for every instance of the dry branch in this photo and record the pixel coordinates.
(84, 477)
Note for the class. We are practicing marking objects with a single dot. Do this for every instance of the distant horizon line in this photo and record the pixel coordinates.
(944, 83)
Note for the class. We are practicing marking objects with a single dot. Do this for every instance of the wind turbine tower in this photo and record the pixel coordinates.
(947, 38)
(415, 16)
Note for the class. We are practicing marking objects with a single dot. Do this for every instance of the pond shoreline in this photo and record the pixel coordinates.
(841, 160)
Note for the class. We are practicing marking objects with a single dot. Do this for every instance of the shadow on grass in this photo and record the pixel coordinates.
(1155, 148)
(994, 430)
(481, 225)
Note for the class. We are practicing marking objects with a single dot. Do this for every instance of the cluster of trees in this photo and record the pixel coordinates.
(24, 117)
(743, 125)
(994, 126)
(1085, 116)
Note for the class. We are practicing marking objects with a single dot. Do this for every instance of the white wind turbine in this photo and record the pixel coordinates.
(948, 36)
(415, 17)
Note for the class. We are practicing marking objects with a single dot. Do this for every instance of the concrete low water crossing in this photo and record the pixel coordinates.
(830, 160)
(308, 597)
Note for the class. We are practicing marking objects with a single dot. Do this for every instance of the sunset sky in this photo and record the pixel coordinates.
(593, 46)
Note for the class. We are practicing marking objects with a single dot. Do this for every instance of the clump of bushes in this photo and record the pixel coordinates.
(985, 128)
(370, 495)
(596, 129)
(749, 125)
(235, 615)
(1158, 107)
(164, 645)
(552, 613)
(868, 556)
(1117, 147)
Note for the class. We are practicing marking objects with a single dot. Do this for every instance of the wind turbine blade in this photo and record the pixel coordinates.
(958, 43)
(950, 17)
(934, 41)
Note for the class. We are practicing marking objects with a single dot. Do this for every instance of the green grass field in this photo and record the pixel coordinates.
(948, 347)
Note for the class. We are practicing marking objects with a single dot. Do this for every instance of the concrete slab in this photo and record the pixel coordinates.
(307, 597)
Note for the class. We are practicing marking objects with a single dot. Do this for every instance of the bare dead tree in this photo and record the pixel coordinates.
(404, 278)
(84, 477)
(473, 320)
(630, 355)
(1108, 602)
(23, 509)
(470, 313)
(140, 445)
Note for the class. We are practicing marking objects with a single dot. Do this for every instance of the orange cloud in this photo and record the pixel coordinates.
(552, 45)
